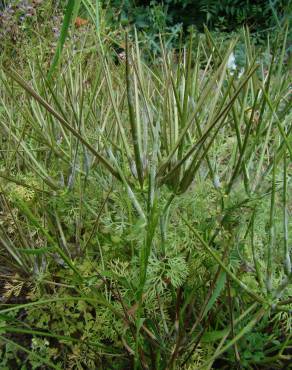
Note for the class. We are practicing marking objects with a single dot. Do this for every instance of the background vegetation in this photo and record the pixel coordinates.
(226, 14)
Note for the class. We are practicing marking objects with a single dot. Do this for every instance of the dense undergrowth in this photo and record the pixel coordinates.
(145, 204)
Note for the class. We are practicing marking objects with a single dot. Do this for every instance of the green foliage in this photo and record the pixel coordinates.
(257, 14)
(145, 205)
(224, 14)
